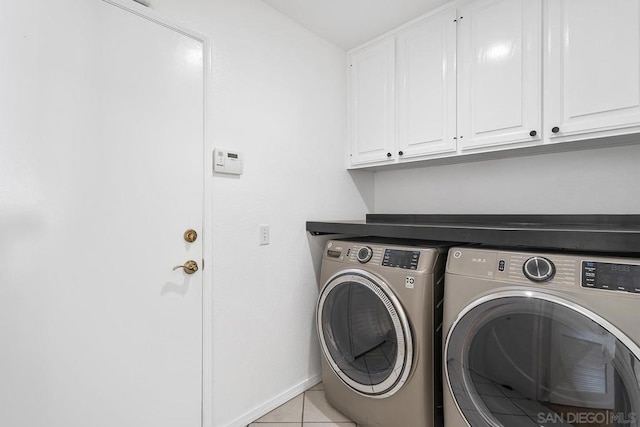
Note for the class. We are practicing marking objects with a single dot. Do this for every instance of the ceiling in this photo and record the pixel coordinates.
(348, 23)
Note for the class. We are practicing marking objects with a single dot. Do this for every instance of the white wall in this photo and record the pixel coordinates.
(279, 97)
(599, 181)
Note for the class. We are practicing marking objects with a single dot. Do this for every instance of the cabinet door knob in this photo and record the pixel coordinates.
(533, 133)
(400, 153)
(555, 129)
(388, 154)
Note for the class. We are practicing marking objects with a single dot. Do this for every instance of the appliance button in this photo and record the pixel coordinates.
(538, 269)
(364, 254)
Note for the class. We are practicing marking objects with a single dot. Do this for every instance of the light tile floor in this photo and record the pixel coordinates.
(309, 409)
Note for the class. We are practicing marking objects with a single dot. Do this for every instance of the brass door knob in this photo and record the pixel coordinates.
(190, 235)
(189, 267)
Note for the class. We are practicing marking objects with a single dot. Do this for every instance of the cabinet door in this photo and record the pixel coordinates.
(592, 69)
(372, 103)
(499, 73)
(427, 86)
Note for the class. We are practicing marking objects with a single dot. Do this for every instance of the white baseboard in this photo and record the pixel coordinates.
(272, 404)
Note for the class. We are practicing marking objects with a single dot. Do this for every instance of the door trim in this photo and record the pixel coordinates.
(207, 220)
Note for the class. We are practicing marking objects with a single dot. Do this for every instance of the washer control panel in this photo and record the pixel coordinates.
(392, 256)
(401, 259)
(611, 276)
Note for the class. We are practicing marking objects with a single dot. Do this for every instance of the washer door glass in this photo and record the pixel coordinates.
(364, 334)
(538, 360)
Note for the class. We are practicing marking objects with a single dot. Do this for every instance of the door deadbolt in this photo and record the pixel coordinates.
(190, 235)
(189, 267)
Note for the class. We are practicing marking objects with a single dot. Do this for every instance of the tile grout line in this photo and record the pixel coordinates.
(302, 422)
(304, 395)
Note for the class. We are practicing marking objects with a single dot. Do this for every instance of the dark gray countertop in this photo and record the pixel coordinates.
(592, 233)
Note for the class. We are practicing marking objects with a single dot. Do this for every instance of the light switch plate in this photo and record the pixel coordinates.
(264, 235)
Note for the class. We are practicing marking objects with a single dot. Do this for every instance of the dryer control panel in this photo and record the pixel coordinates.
(611, 276)
(547, 269)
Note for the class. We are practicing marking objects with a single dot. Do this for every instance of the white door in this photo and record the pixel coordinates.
(499, 72)
(372, 103)
(592, 77)
(427, 86)
(101, 173)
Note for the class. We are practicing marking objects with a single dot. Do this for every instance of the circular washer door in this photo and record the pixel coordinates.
(364, 333)
(532, 359)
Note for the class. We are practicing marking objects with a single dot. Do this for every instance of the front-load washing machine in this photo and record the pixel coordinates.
(379, 323)
(541, 339)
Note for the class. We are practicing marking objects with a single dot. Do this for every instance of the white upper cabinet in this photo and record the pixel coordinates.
(592, 68)
(426, 87)
(372, 103)
(471, 78)
(499, 73)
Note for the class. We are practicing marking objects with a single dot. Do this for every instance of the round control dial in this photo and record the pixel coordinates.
(538, 269)
(364, 254)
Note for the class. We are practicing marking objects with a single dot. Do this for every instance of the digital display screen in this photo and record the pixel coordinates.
(617, 277)
(401, 259)
(232, 155)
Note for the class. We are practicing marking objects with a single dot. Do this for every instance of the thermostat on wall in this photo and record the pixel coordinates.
(225, 161)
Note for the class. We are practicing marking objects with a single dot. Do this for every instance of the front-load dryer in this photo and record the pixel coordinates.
(379, 324)
(541, 339)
